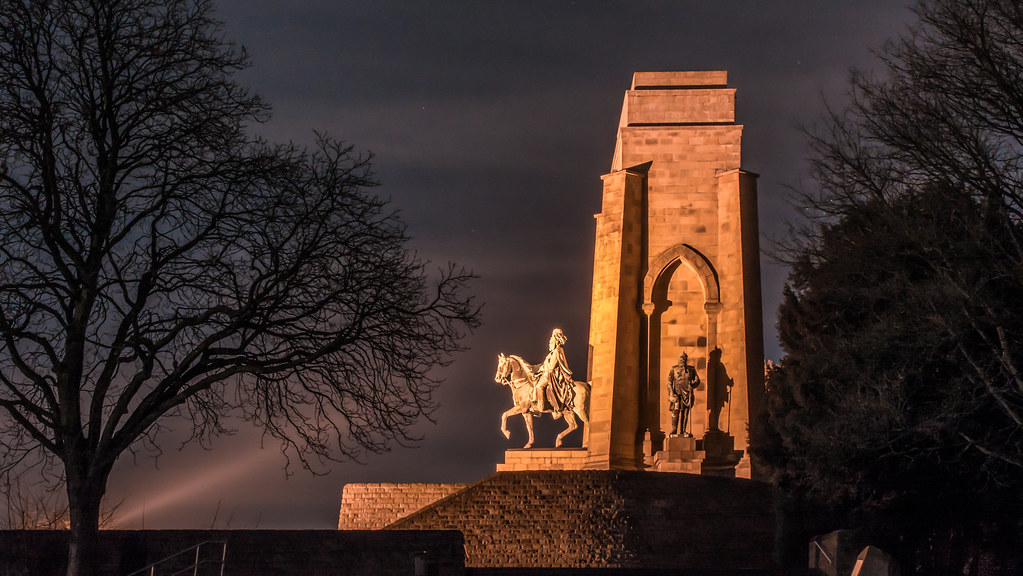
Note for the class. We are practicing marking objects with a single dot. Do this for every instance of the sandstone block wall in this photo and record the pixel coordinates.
(619, 252)
(373, 506)
(608, 519)
(533, 459)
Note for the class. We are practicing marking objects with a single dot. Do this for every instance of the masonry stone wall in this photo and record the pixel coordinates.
(373, 506)
(540, 459)
(608, 519)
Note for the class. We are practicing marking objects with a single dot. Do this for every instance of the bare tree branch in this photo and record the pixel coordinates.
(157, 259)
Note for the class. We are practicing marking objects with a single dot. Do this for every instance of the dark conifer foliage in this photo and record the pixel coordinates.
(900, 399)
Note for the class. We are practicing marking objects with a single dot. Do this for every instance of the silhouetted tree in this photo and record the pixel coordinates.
(157, 260)
(900, 397)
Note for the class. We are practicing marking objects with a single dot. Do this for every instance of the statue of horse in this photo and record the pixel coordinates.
(520, 376)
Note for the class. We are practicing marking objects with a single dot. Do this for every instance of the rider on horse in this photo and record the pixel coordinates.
(554, 389)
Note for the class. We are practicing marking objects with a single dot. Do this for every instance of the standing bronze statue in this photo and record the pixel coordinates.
(682, 380)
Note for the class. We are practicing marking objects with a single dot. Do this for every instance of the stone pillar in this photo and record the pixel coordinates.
(615, 322)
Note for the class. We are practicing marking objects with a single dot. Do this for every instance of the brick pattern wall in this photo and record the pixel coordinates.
(373, 506)
(534, 459)
(608, 519)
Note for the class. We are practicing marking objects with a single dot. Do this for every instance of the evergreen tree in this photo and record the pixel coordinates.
(899, 402)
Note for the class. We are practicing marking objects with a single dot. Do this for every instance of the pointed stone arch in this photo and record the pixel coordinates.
(655, 303)
(669, 260)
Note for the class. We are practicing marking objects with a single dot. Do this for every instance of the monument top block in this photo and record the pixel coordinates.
(675, 80)
(661, 99)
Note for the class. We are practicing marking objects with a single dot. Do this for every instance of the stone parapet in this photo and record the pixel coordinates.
(679, 79)
(373, 506)
(248, 552)
(679, 108)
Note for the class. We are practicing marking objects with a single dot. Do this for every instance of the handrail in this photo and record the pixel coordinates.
(815, 543)
(194, 567)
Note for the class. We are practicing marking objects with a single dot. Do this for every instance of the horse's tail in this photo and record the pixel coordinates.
(584, 402)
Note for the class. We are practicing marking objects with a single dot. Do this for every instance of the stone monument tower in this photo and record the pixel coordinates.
(676, 302)
(676, 270)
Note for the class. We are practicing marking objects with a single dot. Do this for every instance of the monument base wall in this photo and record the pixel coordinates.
(373, 506)
(534, 459)
(608, 519)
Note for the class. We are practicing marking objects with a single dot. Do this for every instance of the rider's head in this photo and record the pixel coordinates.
(557, 339)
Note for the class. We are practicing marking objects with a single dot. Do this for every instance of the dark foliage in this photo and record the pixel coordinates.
(898, 404)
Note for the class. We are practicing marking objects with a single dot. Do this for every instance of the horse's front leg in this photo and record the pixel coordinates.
(504, 420)
(529, 427)
(570, 420)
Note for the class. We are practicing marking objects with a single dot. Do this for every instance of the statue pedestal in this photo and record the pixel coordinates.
(543, 459)
(680, 454)
(713, 455)
(721, 455)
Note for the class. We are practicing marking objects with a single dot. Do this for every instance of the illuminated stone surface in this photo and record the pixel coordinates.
(607, 519)
(541, 459)
(676, 269)
(373, 506)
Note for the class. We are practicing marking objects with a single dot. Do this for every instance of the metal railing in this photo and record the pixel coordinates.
(197, 561)
(819, 547)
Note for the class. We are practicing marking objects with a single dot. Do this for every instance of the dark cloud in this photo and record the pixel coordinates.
(492, 123)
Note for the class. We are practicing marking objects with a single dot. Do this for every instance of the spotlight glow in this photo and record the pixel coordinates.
(198, 484)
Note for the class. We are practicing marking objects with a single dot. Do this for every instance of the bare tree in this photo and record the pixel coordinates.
(157, 260)
(32, 508)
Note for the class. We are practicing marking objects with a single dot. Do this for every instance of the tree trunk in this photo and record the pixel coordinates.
(84, 498)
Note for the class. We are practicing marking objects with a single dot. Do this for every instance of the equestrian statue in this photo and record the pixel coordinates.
(544, 388)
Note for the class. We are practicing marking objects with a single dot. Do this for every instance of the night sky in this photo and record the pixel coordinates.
(491, 123)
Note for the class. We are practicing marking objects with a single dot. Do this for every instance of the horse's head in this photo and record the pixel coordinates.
(504, 369)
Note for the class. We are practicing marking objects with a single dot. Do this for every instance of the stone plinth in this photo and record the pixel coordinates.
(680, 454)
(534, 459)
(721, 456)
